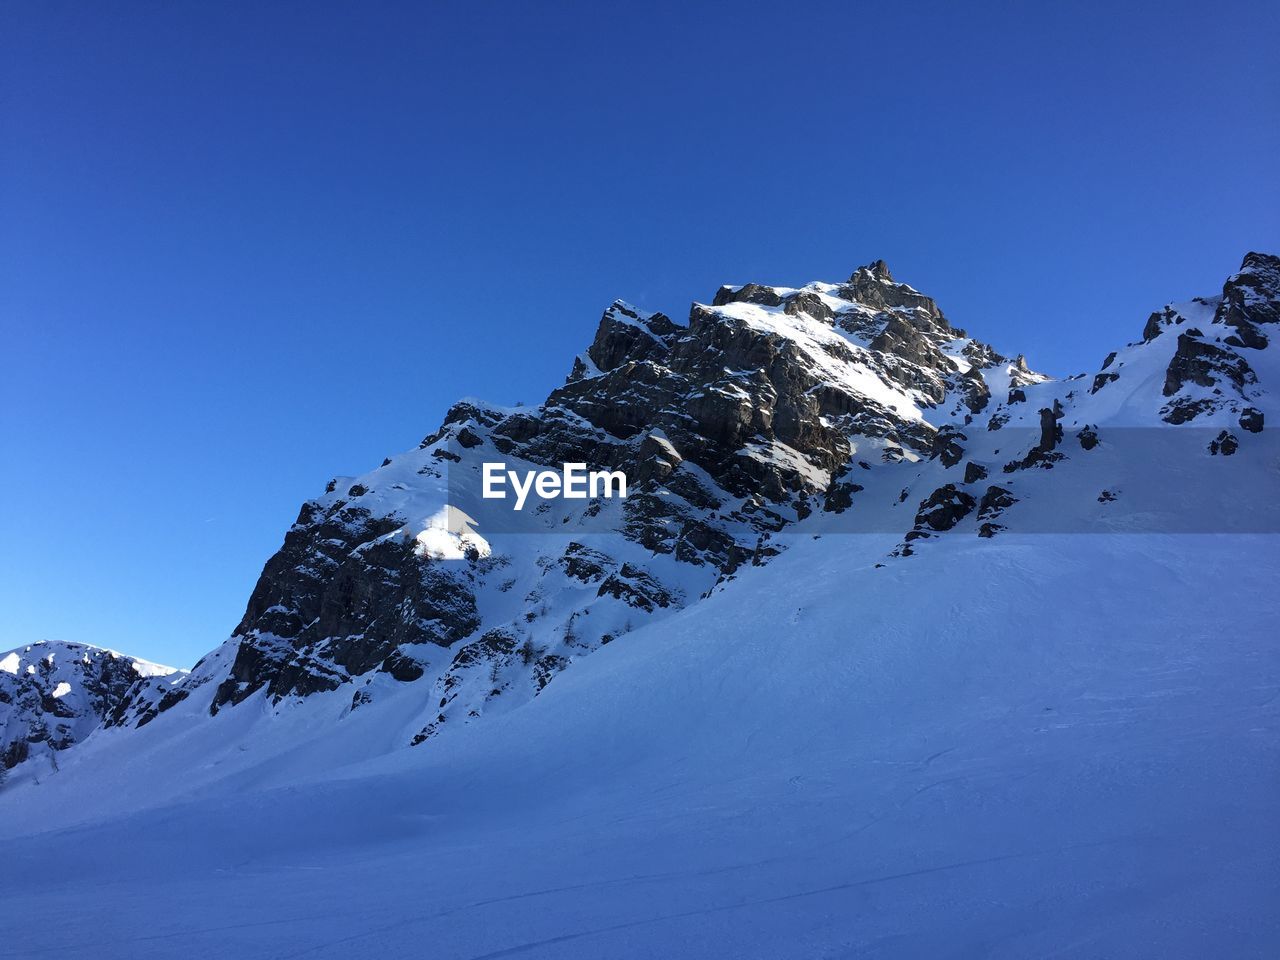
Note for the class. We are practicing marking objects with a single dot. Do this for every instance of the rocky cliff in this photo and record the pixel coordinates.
(730, 428)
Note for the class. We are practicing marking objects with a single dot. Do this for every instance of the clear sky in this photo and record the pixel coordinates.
(245, 247)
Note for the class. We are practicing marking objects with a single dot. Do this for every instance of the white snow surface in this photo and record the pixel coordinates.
(1066, 746)
(448, 535)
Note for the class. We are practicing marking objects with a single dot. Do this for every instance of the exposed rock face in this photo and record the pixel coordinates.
(1210, 369)
(1043, 453)
(1157, 322)
(976, 392)
(1050, 429)
(360, 605)
(1201, 362)
(811, 305)
(751, 293)
(1225, 444)
(1249, 301)
(994, 502)
(54, 694)
(624, 335)
(1251, 419)
(1102, 379)
(729, 428)
(948, 445)
(944, 508)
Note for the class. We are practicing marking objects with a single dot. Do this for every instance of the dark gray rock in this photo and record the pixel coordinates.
(944, 508)
(1050, 429)
(751, 293)
(1206, 364)
(337, 580)
(947, 445)
(1156, 324)
(637, 588)
(976, 393)
(1225, 444)
(840, 496)
(1251, 300)
(1185, 410)
(1043, 454)
(994, 502)
(1102, 379)
(810, 304)
(585, 564)
(623, 336)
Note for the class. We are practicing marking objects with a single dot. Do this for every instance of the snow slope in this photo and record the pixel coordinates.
(1066, 747)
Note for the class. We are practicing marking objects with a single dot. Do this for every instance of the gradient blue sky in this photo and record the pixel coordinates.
(245, 247)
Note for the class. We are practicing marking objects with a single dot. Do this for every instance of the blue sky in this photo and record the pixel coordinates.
(245, 247)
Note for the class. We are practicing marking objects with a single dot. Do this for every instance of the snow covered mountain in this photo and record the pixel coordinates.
(54, 694)
(774, 415)
(840, 676)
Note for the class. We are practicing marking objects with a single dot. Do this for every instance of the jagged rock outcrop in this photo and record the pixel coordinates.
(948, 445)
(1225, 444)
(1251, 419)
(1204, 363)
(1249, 301)
(729, 429)
(53, 694)
(944, 508)
(994, 502)
(1210, 369)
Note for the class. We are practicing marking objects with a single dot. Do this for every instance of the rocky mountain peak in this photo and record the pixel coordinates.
(1261, 265)
(1251, 299)
(1217, 341)
(731, 428)
(878, 270)
(625, 333)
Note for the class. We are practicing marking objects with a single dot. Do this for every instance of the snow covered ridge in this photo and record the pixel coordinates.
(53, 694)
(776, 414)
